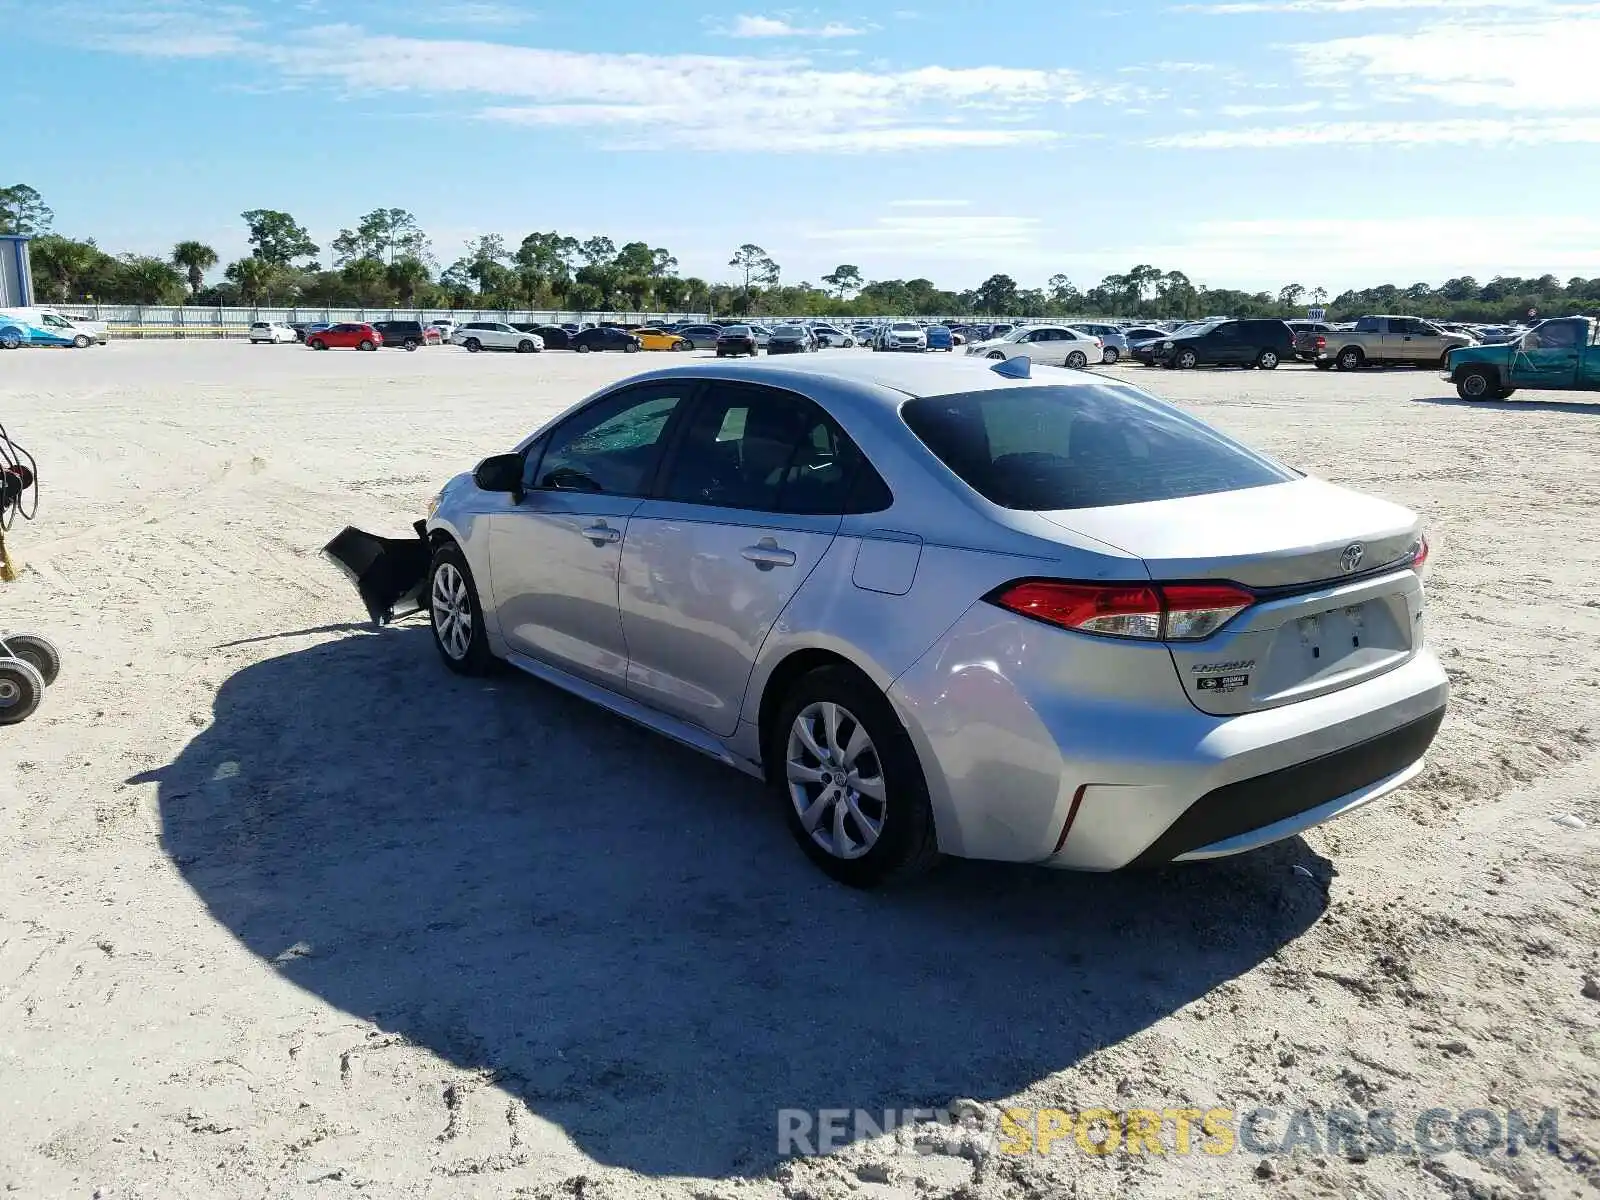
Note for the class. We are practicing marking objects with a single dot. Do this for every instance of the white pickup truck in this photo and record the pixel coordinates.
(1388, 341)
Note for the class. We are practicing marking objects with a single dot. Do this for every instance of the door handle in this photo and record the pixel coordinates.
(767, 554)
(602, 534)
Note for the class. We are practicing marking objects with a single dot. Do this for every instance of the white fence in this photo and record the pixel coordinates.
(137, 321)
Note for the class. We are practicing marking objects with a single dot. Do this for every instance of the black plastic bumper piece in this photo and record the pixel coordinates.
(386, 571)
(1267, 799)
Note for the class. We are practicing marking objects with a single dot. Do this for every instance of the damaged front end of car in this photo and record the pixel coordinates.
(390, 573)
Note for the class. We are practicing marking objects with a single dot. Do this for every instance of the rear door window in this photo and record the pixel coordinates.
(1088, 446)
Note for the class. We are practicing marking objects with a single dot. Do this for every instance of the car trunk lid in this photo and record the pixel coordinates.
(1337, 599)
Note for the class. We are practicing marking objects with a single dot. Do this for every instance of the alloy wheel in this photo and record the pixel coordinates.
(835, 780)
(452, 611)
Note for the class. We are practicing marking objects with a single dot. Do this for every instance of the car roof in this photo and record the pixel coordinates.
(892, 377)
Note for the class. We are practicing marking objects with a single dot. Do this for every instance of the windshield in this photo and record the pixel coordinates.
(905, 327)
(1194, 328)
(736, 330)
(1016, 335)
(1085, 446)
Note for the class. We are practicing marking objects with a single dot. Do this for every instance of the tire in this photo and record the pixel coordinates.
(1323, 364)
(524, 347)
(720, 354)
(996, 355)
(1186, 360)
(82, 342)
(1267, 360)
(21, 690)
(1111, 355)
(455, 613)
(411, 343)
(10, 339)
(1476, 383)
(366, 344)
(582, 347)
(318, 344)
(473, 345)
(903, 844)
(681, 347)
(631, 348)
(1351, 358)
(38, 652)
(1505, 393)
(1077, 360)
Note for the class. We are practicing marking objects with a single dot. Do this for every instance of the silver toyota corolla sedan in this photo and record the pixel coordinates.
(954, 607)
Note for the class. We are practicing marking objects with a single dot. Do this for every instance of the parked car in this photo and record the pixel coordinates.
(901, 336)
(652, 338)
(735, 340)
(495, 335)
(446, 327)
(408, 335)
(597, 340)
(1194, 649)
(1253, 342)
(1049, 345)
(1113, 341)
(832, 335)
(1560, 354)
(348, 335)
(1389, 341)
(1310, 338)
(1144, 333)
(271, 333)
(940, 338)
(47, 327)
(554, 337)
(702, 337)
(789, 339)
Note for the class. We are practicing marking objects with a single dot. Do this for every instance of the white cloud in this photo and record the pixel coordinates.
(1545, 59)
(1241, 7)
(1262, 110)
(1483, 132)
(765, 27)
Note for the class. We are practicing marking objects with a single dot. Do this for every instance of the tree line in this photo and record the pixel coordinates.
(386, 260)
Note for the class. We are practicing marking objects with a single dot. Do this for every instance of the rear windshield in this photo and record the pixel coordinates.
(1087, 446)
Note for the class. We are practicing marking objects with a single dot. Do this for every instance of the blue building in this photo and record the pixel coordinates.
(16, 276)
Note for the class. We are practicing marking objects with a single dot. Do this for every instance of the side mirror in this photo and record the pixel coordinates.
(500, 473)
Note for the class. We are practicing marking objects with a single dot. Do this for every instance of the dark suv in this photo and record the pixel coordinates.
(1253, 343)
(408, 334)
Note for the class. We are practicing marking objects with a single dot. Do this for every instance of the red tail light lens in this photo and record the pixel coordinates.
(1322, 342)
(1419, 556)
(1152, 612)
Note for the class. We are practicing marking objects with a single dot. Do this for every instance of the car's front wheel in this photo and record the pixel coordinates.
(525, 347)
(582, 347)
(456, 614)
(473, 345)
(1186, 360)
(1267, 360)
(82, 342)
(853, 791)
(367, 344)
(1477, 384)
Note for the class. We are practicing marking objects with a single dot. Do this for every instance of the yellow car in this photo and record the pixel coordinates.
(655, 339)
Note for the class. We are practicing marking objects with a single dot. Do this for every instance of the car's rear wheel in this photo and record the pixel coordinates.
(473, 345)
(40, 653)
(525, 347)
(1323, 364)
(21, 690)
(1267, 360)
(1477, 384)
(1351, 358)
(582, 347)
(411, 343)
(455, 613)
(10, 339)
(631, 348)
(853, 791)
(1186, 360)
(1110, 356)
(1077, 360)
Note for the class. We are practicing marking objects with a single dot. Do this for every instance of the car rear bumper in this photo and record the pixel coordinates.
(1079, 752)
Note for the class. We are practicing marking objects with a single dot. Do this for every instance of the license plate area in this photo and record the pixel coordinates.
(1311, 650)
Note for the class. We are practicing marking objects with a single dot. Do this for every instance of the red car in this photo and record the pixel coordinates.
(350, 336)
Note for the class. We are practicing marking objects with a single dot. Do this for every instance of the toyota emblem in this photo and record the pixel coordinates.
(1352, 556)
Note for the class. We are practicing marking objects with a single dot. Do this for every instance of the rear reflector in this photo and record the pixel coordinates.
(1174, 612)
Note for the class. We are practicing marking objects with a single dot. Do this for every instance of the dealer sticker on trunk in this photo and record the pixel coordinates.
(1222, 683)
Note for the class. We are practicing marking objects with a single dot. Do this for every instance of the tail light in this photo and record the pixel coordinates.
(1172, 612)
(1322, 342)
(1419, 556)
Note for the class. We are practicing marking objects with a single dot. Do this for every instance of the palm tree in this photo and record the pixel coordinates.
(194, 259)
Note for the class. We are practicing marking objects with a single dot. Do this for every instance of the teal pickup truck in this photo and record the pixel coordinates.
(1556, 355)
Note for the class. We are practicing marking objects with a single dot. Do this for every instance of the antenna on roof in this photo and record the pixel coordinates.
(1020, 367)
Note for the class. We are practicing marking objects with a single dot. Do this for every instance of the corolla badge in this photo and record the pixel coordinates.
(1352, 556)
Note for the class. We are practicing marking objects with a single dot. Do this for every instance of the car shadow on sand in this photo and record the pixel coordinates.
(623, 930)
(1561, 406)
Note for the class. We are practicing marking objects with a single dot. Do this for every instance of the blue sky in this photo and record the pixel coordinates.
(1250, 143)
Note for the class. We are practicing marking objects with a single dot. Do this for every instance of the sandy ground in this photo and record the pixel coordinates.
(286, 910)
